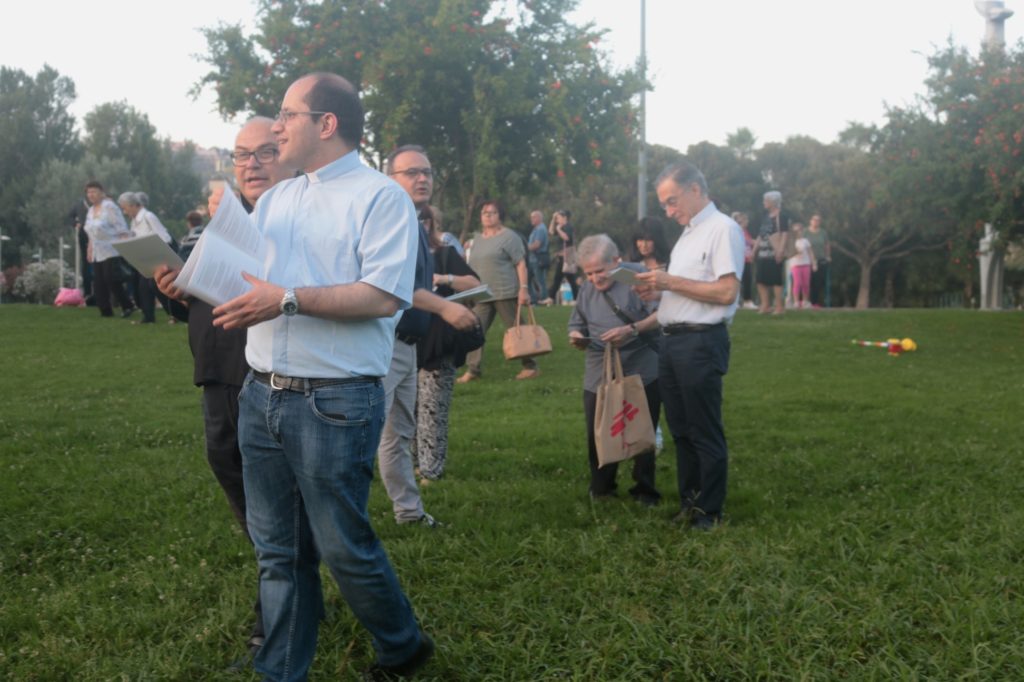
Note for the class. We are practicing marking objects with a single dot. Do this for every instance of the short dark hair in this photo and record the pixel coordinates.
(683, 173)
(496, 204)
(397, 151)
(332, 93)
(94, 184)
(194, 218)
(650, 228)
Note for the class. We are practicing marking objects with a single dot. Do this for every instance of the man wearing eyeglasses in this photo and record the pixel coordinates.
(219, 354)
(341, 244)
(409, 167)
(699, 299)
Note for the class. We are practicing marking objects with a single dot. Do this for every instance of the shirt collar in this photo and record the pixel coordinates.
(335, 168)
(704, 214)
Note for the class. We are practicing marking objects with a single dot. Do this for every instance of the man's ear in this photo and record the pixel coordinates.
(328, 126)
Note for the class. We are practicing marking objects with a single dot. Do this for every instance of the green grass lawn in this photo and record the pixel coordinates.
(874, 525)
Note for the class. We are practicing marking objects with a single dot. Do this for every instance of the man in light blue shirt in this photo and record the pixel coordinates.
(537, 258)
(340, 255)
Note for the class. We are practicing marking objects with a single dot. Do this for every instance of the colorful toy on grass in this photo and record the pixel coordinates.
(894, 346)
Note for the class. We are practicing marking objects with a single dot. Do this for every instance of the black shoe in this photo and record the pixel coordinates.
(384, 673)
(647, 500)
(127, 312)
(704, 522)
(243, 662)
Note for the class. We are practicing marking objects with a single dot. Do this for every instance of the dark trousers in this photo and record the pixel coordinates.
(556, 265)
(690, 371)
(747, 283)
(220, 416)
(602, 479)
(105, 283)
(146, 297)
(819, 283)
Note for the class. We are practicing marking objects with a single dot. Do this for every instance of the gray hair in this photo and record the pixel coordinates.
(597, 245)
(130, 198)
(143, 199)
(683, 173)
(774, 197)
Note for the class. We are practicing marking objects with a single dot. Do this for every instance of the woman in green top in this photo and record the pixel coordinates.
(821, 245)
(498, 257)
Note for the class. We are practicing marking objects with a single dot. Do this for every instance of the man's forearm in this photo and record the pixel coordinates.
(722, 291)
(355, 301)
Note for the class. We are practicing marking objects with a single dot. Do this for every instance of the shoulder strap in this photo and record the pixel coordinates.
(621, 314)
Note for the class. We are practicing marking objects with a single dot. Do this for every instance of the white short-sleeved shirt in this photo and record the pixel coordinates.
(710, 247)
(341, 224)
(145, 222)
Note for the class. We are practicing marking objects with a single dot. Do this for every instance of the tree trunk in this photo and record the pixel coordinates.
(864, 291)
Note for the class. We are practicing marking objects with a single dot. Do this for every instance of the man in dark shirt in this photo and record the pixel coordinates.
(219, 353)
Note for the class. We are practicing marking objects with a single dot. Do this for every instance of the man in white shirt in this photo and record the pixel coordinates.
(340, 256)
(700, 297)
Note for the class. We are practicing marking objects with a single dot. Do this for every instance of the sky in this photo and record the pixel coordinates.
(783, 68)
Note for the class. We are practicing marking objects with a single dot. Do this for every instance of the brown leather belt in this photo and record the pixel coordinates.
(279, 382)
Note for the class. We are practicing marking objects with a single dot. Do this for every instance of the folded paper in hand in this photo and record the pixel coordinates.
(146, 253)
(480, 293)
(229, 246)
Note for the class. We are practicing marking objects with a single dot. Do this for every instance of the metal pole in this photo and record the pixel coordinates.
(60, 270)
(641, 181)
(78, 263)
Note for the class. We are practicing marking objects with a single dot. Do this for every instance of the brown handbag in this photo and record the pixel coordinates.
(622, 419)
(525, 340)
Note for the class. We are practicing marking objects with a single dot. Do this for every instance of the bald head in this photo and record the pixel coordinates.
(254, 177)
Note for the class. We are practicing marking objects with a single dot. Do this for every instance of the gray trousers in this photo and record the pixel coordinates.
(394, 455)
(486, 312)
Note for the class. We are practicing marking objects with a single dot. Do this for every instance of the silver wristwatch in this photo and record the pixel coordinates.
(289, 304)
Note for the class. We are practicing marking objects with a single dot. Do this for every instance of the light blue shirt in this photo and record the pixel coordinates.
(341, 224)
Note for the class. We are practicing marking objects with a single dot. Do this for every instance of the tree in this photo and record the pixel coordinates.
(742, 143)
(116, 130)
(505, 105)
(35, 126)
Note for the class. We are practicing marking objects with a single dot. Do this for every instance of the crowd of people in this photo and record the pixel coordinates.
(344, 350)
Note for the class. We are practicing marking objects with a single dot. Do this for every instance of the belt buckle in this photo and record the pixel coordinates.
(273, 385)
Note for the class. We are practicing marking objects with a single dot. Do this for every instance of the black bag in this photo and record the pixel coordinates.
(442, 339)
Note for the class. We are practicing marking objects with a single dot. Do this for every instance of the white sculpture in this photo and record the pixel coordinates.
(990, 268)
(995, 14)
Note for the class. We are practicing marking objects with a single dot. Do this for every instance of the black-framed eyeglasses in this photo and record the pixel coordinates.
(263, 155)
(413, 173)
(285, 116)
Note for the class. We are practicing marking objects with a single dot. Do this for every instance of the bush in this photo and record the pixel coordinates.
(40, 281)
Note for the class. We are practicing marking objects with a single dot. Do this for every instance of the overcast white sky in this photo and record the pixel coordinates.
(779, 68)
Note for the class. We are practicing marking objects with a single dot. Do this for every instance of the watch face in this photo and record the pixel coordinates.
(289, 306)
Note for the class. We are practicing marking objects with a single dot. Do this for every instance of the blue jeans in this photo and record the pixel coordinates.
(307, 463)
(538, 279)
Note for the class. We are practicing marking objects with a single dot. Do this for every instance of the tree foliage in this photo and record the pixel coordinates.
(504, 103)
(116, 130)
(35, 126)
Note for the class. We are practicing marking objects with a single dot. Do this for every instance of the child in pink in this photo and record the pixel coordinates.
(803, 262)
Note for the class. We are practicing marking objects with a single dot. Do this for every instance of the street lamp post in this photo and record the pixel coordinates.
(641, 189)
(3, 280)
